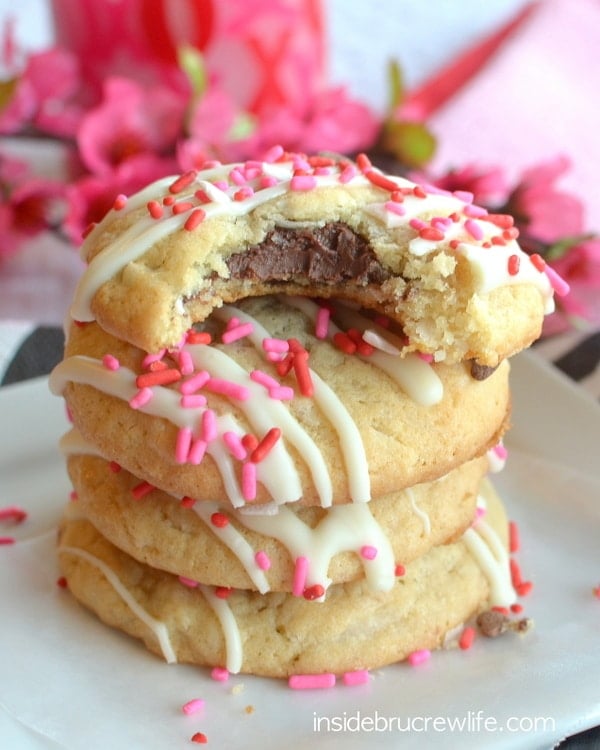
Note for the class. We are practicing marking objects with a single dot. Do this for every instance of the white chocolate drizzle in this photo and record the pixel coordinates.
(425, 520)
(159, 628)
(231, 633)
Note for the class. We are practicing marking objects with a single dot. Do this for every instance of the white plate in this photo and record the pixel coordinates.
(67, 681)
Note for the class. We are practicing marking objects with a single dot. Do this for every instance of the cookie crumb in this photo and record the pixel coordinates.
(492, 623)
(249, 710)
(237, 689)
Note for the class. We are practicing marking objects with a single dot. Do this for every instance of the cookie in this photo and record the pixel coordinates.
(451, 274)
(278, 634)
(333, 425)
(208, 542)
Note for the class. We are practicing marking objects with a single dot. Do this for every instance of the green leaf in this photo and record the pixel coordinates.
(7, 90)
(191, 62)
(562, 247)
(243, 126)
(395, 85)
(410, 142)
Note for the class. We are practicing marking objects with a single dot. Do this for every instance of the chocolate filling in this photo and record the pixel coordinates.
(329, 254)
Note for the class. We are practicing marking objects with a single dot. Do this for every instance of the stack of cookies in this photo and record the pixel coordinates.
(288, 380)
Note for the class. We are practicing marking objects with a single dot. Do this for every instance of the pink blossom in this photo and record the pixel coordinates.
(92, 196)
(547, 214)
(488, 184)
(131, 120)
(28, 205)
(44, 95)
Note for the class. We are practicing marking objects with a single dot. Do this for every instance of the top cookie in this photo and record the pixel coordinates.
(450, 273)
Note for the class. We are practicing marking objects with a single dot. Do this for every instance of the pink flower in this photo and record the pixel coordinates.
(130, 121)
(28, 205)
(488, 185)
(547, 214)
(92, 196)
(44, 95)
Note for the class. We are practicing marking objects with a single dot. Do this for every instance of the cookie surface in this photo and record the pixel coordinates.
(211, 543)
(374, 425)
(277, 634)
(453, 276)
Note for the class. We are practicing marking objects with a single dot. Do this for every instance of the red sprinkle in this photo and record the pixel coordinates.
(120, 202)
(513, 265)
(114, 467)
(313, 592)
(219, 520)
(155, 209)
(222, 592)
(263, 449)
(513, 537)
(364, 163)
(431, 233)
(467, 637)
(302, 373)
(504, 221)
(596, 592)
(503, 610)
(199, 738)
(380, 180)
(538, 261)
(419, 192)
(157, 365)
(5, 540)
(516, 608)
(187, 502)
(181, 208)
(194, 219)
(13, 514)
(61, 582)
(343, 342)
(161, 377)
(399, 570)
(524, 588)
(250, 442)
(197, 337)
(182, 182)
(515, 572)
(141, 490)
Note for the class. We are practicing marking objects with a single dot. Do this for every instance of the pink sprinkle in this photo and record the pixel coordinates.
(193, 706)
(150, 358)
(323, 171)
(312, 681)
(263, 378)
(234, 445)
(348, 173)
(221, 185)
(196, 452)
(395, 208)
(194, 383)
(262, 560)
(13, 513)
(425, 357)
(560, 286)
(209, 425)
(464, 195)
(186, 364)
(303, 182)
(300, 162)
(475, 212)
(368, 552)
(300, 573)
(357, 677)
(419, 657)
(220, 674)
(237, 177)
(232, 323)
(110, 362)
(280, 346)
(182, 444)
(474, 229)
(417, 224)
(141, 398)
(189, 582)
(249, 481)
(233, 334)
(5, 540)
(193, 401)
(500, 451)
(228, 388)
(281, 393)
(480, 511)
(274, 153)
(322, 323)
(120, 202)
(441, 222)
